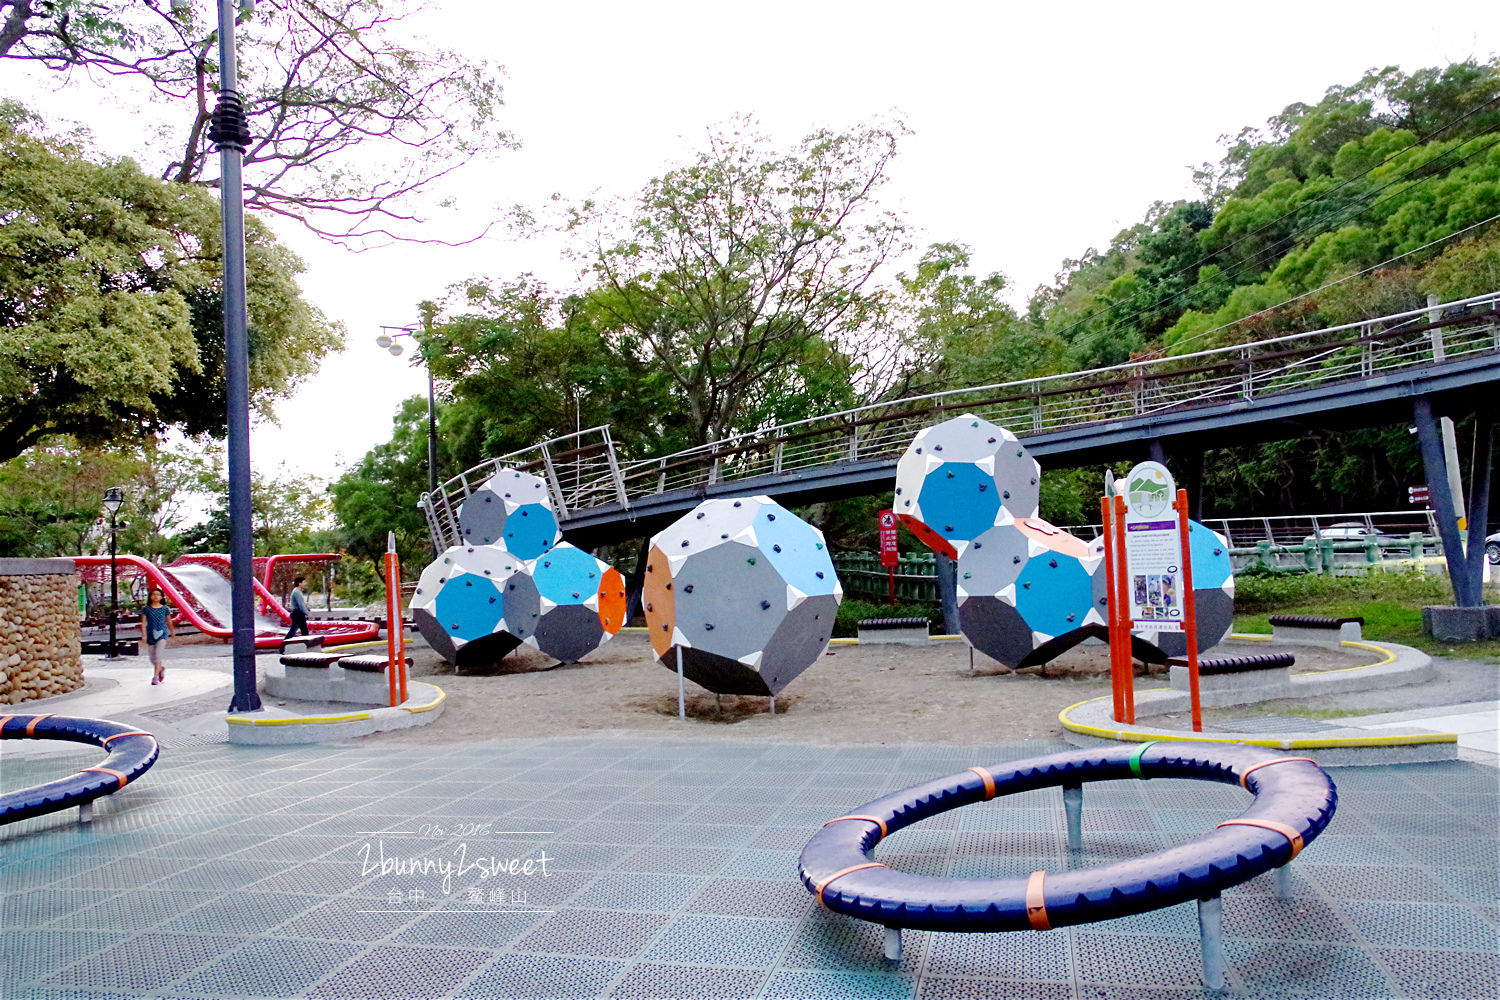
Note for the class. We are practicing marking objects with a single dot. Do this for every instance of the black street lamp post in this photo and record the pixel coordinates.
(230, 132)
(112, 503)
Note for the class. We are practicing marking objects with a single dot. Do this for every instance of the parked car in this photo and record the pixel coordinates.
(1348, 531)
(1492, 548)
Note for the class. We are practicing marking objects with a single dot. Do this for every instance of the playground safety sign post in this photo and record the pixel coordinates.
(888, 553)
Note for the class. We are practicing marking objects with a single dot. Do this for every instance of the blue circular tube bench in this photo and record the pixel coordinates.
(1294, 800)
(131, 754)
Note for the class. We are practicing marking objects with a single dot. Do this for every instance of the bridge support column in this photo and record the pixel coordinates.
(1435, 467)
(1185, 461)
(636, 585)
(947, 586)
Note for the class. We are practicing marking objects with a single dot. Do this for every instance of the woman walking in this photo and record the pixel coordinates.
(156, 625)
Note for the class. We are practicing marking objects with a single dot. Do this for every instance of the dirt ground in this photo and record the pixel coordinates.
(856, 694)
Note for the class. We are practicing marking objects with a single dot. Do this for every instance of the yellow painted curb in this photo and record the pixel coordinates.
(429, 706)
(1251, 636)
(237, 720)
(634, 628)
(1142, 736)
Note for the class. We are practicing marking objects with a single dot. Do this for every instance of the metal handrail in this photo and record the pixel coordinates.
(880, 430)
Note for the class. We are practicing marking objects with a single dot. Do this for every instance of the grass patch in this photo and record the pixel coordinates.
(1390, 603)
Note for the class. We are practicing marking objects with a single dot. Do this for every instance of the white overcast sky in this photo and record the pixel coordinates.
(1039, 130)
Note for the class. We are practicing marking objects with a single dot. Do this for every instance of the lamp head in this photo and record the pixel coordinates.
(396, 350)
(384, 342)
(113, 500)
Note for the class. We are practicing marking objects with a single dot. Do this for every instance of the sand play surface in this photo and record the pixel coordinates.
(856, 694)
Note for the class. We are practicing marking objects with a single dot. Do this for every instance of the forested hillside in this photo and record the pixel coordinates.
(742, 289)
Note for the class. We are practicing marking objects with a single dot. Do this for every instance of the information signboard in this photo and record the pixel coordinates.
(1153, 550)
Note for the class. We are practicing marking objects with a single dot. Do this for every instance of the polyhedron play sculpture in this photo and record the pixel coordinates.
(745, 590)
(476, 603)
(957, 476)
(1027, 591)
(512, 509)
(571, 604)
(458, 604)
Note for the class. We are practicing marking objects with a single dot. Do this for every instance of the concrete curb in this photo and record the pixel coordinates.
(1089, 723)
(277, 727)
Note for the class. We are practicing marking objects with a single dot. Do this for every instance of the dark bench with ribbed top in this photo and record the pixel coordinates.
(1238, 664)
(870, 624)
(1313, 621)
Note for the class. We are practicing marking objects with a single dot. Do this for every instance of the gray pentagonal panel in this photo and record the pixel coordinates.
(432, 630)
(801, 638)
(996, 629)
(717, 673)
(1213, 611)
(568, 632)
(522, 606)
(993, 561)
(730, 599)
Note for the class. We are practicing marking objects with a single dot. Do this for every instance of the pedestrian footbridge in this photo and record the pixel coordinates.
(1359, 374)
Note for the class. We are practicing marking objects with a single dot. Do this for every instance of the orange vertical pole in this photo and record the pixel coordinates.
(400, 621)
(1189, 611)
(1112, 612)
(392, 625)
(1122, 566)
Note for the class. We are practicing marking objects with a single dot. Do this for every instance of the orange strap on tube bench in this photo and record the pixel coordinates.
(4, 719)
(31, 726)
(840, 874)
(989, 782)
(873, 819)
(1267, 763)
(1036, 902)
(1271, 824)
(119, 775)
(116, 736)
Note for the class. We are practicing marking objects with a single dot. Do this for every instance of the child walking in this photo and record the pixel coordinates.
(156, 625)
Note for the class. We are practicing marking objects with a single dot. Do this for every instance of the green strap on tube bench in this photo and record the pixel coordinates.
(1135, 758)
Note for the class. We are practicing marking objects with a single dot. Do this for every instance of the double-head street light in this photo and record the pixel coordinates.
(113, 501)
(388, 342)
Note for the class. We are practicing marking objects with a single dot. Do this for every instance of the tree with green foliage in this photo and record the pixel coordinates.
(949, 328)
(321, 80)
(522, 364)
(51, 496)
(748, 268)
(110, 325)
(291, 513)
(1392, 167)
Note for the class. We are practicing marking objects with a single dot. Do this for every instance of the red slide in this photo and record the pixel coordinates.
(200, 592)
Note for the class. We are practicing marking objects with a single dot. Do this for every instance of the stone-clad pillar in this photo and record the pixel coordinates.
(39, 644)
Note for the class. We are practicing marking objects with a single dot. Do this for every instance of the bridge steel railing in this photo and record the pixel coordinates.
(583, 469)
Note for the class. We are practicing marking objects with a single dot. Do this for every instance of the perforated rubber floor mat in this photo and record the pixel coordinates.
(619, 866)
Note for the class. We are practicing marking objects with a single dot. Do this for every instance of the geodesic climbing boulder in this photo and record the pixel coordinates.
(458, 603)
(512, 509)
(568, 604)
(1025, 590)
(746, 590)
(957, 476)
